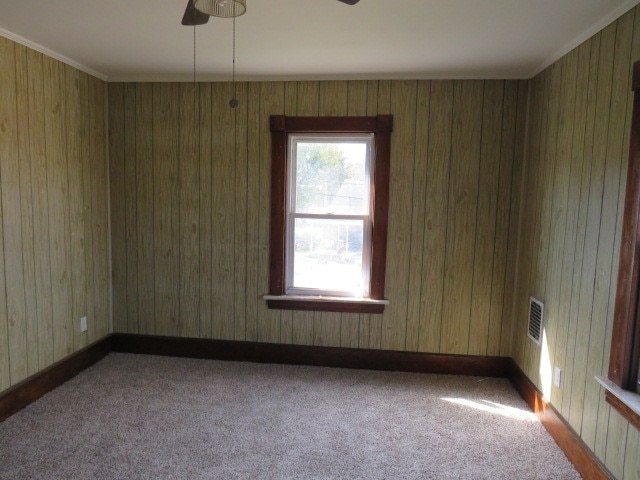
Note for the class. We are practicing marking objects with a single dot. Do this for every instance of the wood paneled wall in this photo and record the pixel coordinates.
(54, 221)
(190, 181)
(574, 182)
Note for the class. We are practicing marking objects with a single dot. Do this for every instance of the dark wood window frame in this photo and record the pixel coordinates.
(625, 340)
(281, 127)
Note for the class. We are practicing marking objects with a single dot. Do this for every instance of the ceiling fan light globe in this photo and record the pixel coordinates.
(221, 8)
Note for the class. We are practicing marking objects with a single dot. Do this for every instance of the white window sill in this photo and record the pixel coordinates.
(323, 298)
(630, 399)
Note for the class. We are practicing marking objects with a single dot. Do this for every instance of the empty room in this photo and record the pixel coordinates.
(320, 239)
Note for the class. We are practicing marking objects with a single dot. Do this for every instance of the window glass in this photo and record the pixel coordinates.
(328, 255)
(331, 177)
(328, 224)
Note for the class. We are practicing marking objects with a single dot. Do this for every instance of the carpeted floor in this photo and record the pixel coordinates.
(146, 417)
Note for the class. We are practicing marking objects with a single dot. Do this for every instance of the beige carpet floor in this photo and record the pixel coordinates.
(147, 417)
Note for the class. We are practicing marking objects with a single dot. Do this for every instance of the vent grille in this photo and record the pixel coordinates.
(536, 315)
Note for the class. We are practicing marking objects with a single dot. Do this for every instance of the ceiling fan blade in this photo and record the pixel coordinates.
(193, 16)
(349, 2)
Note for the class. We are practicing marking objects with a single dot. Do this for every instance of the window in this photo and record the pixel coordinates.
(329, 204)
(624, 363)
(328, 222)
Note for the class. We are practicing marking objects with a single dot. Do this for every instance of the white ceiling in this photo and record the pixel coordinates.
(143, 40)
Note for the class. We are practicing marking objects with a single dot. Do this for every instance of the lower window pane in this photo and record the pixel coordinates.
(327, 255)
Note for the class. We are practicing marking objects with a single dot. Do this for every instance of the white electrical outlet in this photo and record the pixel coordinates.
(83, 324)
(557, 377)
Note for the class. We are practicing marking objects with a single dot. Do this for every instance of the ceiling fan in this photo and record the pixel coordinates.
(193, 16)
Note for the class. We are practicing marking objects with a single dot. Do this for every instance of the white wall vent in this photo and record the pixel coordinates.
(536, 316)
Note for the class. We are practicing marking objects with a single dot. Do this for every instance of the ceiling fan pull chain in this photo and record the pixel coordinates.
(234, 101)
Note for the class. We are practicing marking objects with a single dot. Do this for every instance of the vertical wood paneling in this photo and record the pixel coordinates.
(130, 172)
(45, 264)
(58, 191)
(189, 211)
(37, 150)
(608, 187)
(536, 179)
(436, 200)
(517, 184)
(583, 148)
(271, 102)
(97, 113)
(204, 182)
(615, 444)
(581, 322)
(5, 375)
(488, 183)
(223, 175)
(418, 215)
(403, 107)
(144, 212)
(542, 281)
(10, 345)
(224, 220)
(602, 100)
(580, 174)
(12, 218)
(632, 459)
(529, 184)
(87, 189)
(461, 222)
(503, 216)
(571, 102)
(118, 205)
(76, 132)
(165, 190)
(240, 214)
(558, 220)
(26, 207)
(253, 202)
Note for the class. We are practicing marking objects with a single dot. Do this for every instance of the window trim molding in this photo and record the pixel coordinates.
(626, 322)
(281, 126)
(625, 343)
(292, 215)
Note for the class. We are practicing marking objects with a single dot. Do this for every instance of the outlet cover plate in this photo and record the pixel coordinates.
(557, 377)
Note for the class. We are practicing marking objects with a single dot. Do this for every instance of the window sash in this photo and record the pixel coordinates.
(290, 289)
(294, 140)
(292, 215)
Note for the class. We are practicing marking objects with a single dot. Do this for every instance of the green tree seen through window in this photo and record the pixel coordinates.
(321, 171)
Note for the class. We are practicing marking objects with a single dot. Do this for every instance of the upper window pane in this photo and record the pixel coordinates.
(331, 175)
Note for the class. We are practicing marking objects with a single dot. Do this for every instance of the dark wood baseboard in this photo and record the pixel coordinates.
(34, 387)
(311, 355)
(568, 440)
